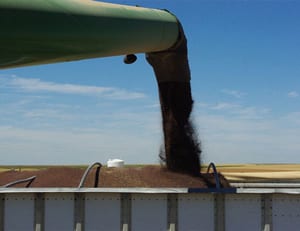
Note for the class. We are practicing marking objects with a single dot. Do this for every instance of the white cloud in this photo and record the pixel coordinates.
(47, 114)
(293, 94)
(234, 93)
(37, 85)
(136, 137)
(252, 112)
(227, 139)
(229, 132)
(293, 117)
(30, 146)
(235, 109)
(224, 106)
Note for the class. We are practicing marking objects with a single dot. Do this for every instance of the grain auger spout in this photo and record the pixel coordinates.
(48, 31)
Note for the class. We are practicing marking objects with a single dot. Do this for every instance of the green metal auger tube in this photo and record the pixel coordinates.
(47, 31)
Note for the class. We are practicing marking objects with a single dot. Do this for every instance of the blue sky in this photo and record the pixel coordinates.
(245, 63)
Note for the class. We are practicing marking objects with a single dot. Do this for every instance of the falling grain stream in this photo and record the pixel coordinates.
(181, 150)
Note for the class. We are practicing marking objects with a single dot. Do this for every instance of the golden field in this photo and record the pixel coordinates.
(261, 172)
